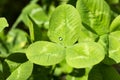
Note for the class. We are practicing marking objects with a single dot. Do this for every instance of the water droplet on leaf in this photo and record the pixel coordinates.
(60, 38)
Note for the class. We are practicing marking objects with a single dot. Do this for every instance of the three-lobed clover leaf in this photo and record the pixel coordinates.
(64, 31)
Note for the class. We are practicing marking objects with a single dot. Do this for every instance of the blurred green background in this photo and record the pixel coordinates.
(11, 9)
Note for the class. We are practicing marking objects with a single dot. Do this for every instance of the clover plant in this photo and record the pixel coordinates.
(66, 42)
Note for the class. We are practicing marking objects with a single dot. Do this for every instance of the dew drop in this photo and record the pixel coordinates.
(60, 38)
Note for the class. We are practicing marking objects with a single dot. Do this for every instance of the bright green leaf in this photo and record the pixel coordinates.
(85, 54)
(3, 23)
(22, 72)
(95, 14)
(115, 25)
(45, 53)
(114, 46)
(65, 25)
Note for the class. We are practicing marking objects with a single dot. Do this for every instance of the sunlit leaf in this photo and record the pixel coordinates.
(65, 25)
(22, 72)
(3, 23)
(85, 54)
(115, 25)
(45, 53)
(95, 14)
(114, 46)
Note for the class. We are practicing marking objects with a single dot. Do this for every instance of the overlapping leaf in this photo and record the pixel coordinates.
(22, 72)
(115, 25)
(95, 14)
(114, 46)
(65, 25)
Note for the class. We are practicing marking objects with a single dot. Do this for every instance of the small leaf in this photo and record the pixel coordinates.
(115, 25)
(45, 53)
(16, 40)
(3, 23)
(114, 46)
(38, 15)
(84, 55)
(65, 25)
(22, 72)
(27, 10)
(95, 14)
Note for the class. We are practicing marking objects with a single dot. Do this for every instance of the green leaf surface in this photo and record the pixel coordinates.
(16, 40)
(115, 25)
(65, 25)
(35, 31)
(104, 41)
(114, 46)
(22, 72)
(3, 23)
(85, 54)
(12, 65)
(95, 14)
(38, 15)
(45, 53)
